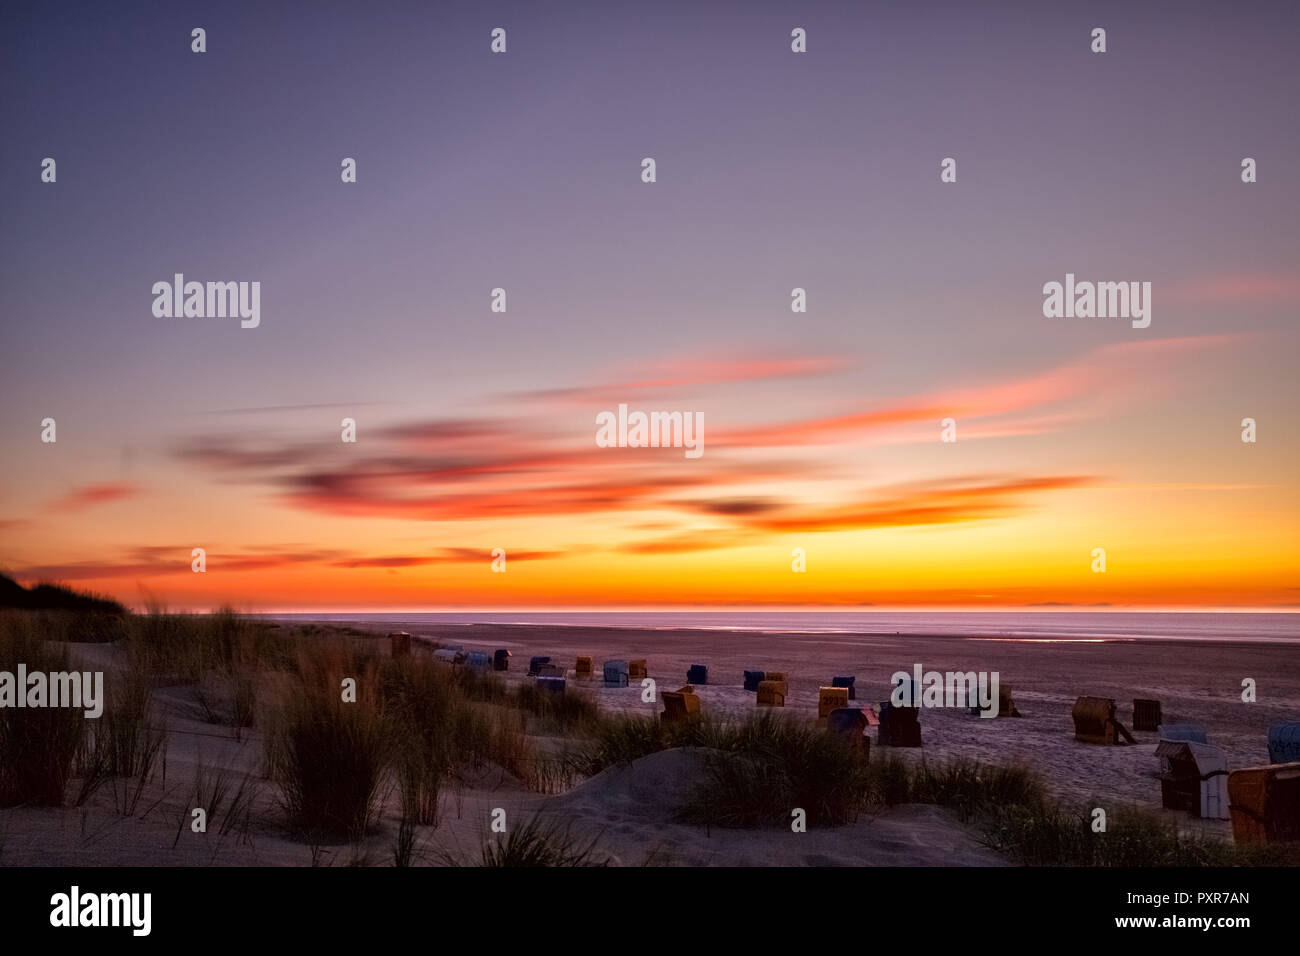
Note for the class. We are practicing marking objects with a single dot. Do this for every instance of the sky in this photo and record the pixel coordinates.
(476, 430)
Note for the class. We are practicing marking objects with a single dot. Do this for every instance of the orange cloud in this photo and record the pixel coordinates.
(157, 561)
(944, 502)
(88, 496)
(1100, 379)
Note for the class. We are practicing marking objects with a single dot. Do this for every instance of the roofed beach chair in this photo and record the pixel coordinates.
(851, 724)
(1264, 803)
(1193, 732)
(1147, 716)
(1095, 722)
(831, 698)
(1193, 777)
(1284, 742)
(899, 726)
(771, 693)
(680, 705)
(616, 673)
(1006, 704)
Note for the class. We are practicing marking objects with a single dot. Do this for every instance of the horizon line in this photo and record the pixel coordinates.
(782, 609)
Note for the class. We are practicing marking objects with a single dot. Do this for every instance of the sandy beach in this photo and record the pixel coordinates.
(1196, 681)
(630, 813)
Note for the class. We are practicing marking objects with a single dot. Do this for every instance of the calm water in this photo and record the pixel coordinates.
(1024, 625)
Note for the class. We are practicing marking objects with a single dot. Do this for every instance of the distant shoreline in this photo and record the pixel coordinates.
(1064, 635)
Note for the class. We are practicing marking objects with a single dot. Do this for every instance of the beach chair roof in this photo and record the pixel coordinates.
(1186, 731)
(1207, 758)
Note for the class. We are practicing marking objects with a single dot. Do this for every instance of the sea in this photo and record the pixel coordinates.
(1230, 626)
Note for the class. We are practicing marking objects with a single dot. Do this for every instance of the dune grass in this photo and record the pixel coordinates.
(46, 749)
(227, 799)
(415, 723)
(758, 768)
(621, 738)
(38, 746)
(770, 764)
(422, 701)
(969, 787)
(557, 713)
(330, 757)
(52, 596)
(404, 844)
(1049, 835)
(182, 648)
(539, 842)
(64, 626)
(329, 762)
(124, 746)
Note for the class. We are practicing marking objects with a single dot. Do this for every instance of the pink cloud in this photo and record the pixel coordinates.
(690, 372)
(87, 496)
(1241, 288)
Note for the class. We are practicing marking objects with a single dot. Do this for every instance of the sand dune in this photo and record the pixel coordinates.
(630, 810)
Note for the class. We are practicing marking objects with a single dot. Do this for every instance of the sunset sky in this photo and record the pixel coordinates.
(775, 170)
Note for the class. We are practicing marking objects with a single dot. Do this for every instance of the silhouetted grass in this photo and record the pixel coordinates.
(38, 745)
(1047, 835)
(182, 648)
(48, 596)
(421, 699)
(447, 723)
(561, 713)
(621, 738)
(967, 786)
(540, 843)
(404, 845)
(122, 744)
(328, 757)
(773, 764)
(476, 685)
(229, 700)
(226, 798)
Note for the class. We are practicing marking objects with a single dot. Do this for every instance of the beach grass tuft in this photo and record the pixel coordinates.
(539, 842)
(38, 746)
(329, 757)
